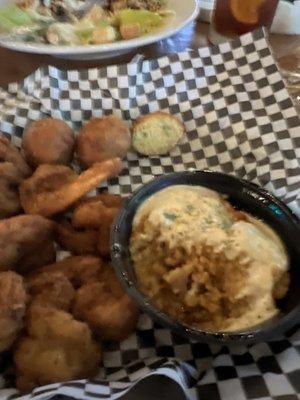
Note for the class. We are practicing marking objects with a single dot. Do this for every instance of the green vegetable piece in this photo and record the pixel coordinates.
(146, 19)
(15, 15)
(84, 29)
(102, 24)
(190, 208)
(6, 24)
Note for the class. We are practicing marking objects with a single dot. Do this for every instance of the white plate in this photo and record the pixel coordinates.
(186, 11)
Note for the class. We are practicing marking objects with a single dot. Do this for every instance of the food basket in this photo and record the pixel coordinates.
(240, 120)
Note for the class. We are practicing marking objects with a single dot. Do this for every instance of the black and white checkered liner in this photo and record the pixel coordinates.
(240, 120)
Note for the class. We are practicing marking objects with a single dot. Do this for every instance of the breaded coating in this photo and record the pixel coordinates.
(21, 237)
(45, 255)
(102, 139)
(9, 152)
(93, 214)
(48, 141)
(42, 194)
(10, 179)
(104, 241)
(56, 348)
(98, 212)
(106, 307)
(109, 200)
(78, 269)
(76, 241)
(51, 289)
(12, 307)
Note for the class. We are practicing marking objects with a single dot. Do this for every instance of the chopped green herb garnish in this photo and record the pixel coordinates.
(170, 216)
(190, 208)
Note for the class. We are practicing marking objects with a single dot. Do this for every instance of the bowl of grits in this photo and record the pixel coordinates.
(211, 256)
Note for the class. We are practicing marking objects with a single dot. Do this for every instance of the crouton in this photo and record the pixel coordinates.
(104, 35)
(130, 31)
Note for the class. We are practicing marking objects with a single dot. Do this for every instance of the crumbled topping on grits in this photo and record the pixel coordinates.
(206, 264)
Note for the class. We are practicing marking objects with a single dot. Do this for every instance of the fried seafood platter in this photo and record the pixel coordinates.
(56, 311)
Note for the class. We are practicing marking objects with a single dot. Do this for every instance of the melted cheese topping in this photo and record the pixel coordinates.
(193, 216)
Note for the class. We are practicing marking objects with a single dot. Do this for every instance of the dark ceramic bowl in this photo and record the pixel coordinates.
(242, 195)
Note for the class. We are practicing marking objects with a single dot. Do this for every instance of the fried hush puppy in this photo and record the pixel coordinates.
(102, 139)
(21, 240)
(12, 307)
(10, 153)
(51, 289)
(56, 348)
(156, 133)
(42, 194)
(76, 241)
(10, 179)
(48, 141)
(107, 309)
(78, 269)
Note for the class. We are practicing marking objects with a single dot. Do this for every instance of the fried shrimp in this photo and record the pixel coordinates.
(98, 212)
(10, 153)
(56, 348)
(12, 307)
(93, 214)
(48, 141)
(76, 241)
(51, 289)
(78, 269)
(103, 245)
(108, 199)
(42, 195)
(46, 254)
(105, 306)
(10, 179)
(21, 237)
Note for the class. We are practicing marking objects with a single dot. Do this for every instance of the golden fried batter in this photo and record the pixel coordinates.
(10, 179)
(12, 307)
(10, 153)
(102, 139)
(78, 269)
(21, 237)
(98, 212)
(56, 348)
(45, 255)
(51, 289)
(77, 242)
(104, 241)
(93, 214)
(105, 306)
(42, 194)
(48, 141)
(109, 200)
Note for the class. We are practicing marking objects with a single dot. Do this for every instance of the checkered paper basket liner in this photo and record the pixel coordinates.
(240, 120)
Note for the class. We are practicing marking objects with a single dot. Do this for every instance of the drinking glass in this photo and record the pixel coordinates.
(235, 17)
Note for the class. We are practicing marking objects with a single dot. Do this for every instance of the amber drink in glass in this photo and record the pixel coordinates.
(232, 18)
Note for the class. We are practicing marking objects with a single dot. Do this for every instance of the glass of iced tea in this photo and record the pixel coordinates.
(236, 17)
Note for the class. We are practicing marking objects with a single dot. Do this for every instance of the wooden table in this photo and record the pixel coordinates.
(15, 66)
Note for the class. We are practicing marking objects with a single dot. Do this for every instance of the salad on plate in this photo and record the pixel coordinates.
(78, 22)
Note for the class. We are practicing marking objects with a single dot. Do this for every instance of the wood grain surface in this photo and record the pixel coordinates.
(14, 66)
